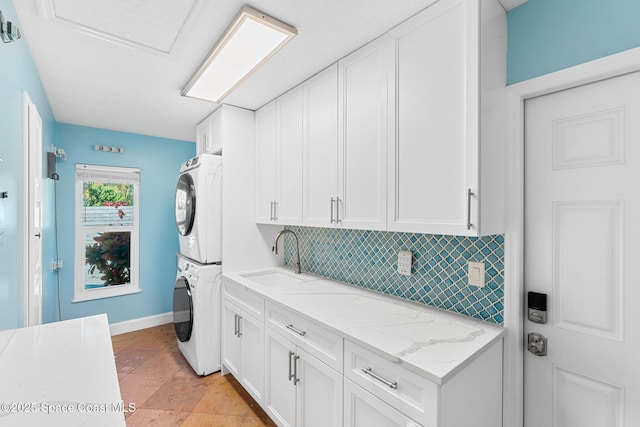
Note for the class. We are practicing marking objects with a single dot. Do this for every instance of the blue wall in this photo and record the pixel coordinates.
(159, 161)
(19, 74)
(550, 35)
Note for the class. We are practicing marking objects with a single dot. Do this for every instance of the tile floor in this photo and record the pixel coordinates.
(154, 376)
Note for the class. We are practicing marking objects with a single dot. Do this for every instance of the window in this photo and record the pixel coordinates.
(107, 206)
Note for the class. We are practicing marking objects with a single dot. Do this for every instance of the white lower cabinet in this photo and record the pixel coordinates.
(243, 348)
(362, 409)
(304, 373)
(379, 392)
(301, 390)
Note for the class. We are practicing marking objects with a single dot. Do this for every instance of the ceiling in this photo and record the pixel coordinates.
(120, 64)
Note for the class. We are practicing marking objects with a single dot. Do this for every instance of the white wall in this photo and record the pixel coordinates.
(245, 245)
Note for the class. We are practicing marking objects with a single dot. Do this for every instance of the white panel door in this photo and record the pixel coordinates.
(33, 181)
(252, 373)
(364, 122)
(288, 208)
(318, 391)
(433, 162)
(320, 148)
(582, 239)
(280, 393)
(231, 348)
(363, 409)
(266, 167)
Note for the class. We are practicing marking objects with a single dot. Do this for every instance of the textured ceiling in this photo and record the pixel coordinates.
(120, 64)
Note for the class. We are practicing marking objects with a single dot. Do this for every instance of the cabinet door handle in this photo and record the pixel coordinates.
(291, 353)
(271, 212)
(469, 194)
(275, 211)
(235, 324)
(332, 201)
(296, 330)
(296, 380)
(390, 384)
(338, 220)
(239, 332)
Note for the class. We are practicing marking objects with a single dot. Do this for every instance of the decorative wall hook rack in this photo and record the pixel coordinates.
(8, 31)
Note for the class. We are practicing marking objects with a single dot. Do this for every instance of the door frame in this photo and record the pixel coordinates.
(32, 311)
(514, 302)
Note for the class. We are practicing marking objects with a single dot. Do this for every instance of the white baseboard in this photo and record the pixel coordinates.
(141, 323)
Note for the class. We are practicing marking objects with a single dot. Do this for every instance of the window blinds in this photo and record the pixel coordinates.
(107, 174)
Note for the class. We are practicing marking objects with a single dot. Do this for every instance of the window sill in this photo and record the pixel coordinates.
(102, 294)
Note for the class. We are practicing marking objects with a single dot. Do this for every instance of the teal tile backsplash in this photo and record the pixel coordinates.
(439, 271)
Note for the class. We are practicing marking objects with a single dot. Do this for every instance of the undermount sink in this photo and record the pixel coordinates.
(273, 278)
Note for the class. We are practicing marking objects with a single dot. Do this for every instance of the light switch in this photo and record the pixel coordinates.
(476, 274)
(404, 262)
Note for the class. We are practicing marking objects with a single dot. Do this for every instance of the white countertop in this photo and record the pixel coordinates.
(431, 342)
(59, 374)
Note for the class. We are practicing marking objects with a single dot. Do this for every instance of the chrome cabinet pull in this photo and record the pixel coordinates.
(338, 220)
(296, 380)
(390, 384)
(275, 211)
(291, 353)
(239, 332)
(332, 201)
(271, 212)
(235, 324)
(469, 194)
(296, 330)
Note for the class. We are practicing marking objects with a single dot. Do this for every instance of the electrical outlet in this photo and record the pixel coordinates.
(404, 262)
(476, 274)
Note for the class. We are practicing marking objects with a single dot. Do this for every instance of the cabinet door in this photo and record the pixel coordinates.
(320, 152)
(214, 142)
(433, 162)
(279, 396)
(318, 393)
(362, 409)
(252, 373)
(202, 137)
(265, 120)
(231, 348)
(288, 209)
(365, 116)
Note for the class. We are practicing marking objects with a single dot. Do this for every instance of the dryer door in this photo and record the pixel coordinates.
(185, 204)
(182, 309)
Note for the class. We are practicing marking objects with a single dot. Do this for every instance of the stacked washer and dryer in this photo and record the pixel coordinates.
(196, 294)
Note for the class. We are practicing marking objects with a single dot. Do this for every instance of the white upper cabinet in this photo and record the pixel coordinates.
(365, 125)
(209, 134)
(320, 149)
(405, 134)
(266, 167)
(446, 165)
(346, 128)
(279, 160)
(288, 208)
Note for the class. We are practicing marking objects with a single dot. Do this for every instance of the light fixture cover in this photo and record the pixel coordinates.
(249, 42)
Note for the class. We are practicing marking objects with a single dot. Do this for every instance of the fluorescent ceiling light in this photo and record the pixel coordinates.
(249, 42)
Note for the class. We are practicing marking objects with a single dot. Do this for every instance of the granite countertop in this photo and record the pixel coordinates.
(60, 374)
(431, 342)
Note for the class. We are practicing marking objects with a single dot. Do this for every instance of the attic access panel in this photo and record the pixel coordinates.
(154, 25)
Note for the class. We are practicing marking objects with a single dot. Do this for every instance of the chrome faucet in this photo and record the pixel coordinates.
(274, 249)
